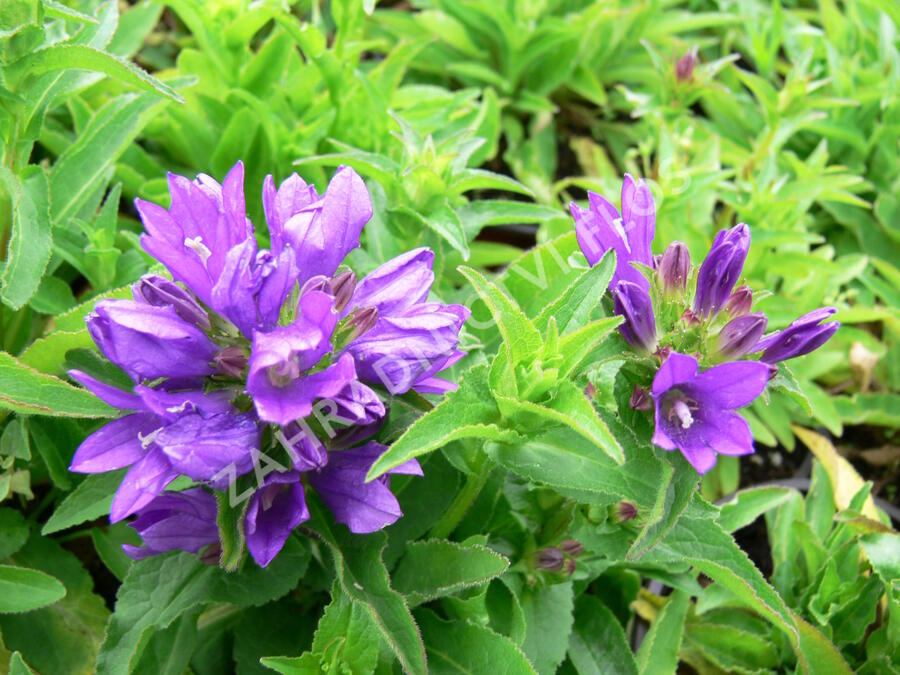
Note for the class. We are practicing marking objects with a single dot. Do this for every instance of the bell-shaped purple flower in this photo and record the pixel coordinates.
(204, 222)
(279, 205)
(275, 509)
(253, 286)
(149, 341)
(632, 302)
(674, 268)
(158, 291)
(721, 270)
(601, 228)
(279, 380)
(322, 233)
(361, 506)
(408, 349)
(133, 440)
(411, 340)
(175, 521)
(804, 335)
(740, 335)
(695, 411)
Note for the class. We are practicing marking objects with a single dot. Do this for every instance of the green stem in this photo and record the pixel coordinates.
(463, 501)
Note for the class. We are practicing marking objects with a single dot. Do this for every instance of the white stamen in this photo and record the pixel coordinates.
(197, 246)
(147, 441)
(683, 413)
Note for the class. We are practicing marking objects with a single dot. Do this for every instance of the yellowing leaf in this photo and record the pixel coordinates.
(845, 482)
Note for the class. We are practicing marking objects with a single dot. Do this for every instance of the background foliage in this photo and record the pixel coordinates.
(475, 123)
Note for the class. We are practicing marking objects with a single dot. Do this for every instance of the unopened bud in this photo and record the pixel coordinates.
(740, 301)
(684, 68)
(590, 391)
(662, 353)
(550, 559)
(231, 361)
(570, 567)
(740, 335)
(626, 511)
(674, 268)
(211, 554)
(690, 319)
(342, 287)
(571, 547)
(158, 291)
(640, 398)
(362, 321)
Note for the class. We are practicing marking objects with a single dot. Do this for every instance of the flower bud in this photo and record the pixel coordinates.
(362, 321)
(721, 270)
(740, 335)
(570, 566)
(158, 291)
(640, 398)
(571, 547)
(684, 68)
(633, 303)
(550, 559)
(232, 361)
(674, 268)
(740, 301)
(625, 511)
(342, 287)
(801, 337)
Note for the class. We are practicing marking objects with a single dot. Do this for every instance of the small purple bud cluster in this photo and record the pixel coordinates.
(559, 558)
(276, 361)
(677, 329)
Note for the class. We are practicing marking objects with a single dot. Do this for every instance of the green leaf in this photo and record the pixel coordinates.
(468, 412)
(580, 344)
(463, 647)
(436, 568)
(83, 57)
(597, 643)
(230, 521)
(48, 354)
(522, 340)
(14, 440)
(658, 653)
(746, 506)
(307, 664)
(346, 638)
(444, 222)
(91, 499)
(13, 532)
(570, 407)
(479, 179)
(169, 651)
(17, 665)
(31, 241)
(160, 589)
(573, 307)
(680, 487)
(562, 459)
(23, 589)
(85, 166)
(362, 575)
(25, 390)
(548, 617)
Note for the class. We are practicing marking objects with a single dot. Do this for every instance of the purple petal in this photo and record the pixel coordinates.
(292, 196)
(274, 511)
(145, 480)
(183, 521)
(676, 369)
(363, 507)
(201, 447)
(396, 285)
(119, 443)
(730, 385)
(107, 393)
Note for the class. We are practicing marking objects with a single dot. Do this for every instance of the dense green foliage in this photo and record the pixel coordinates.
(475, 123)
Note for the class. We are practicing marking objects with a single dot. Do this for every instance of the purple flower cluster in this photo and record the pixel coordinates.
(262, 360)
(693, 409)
